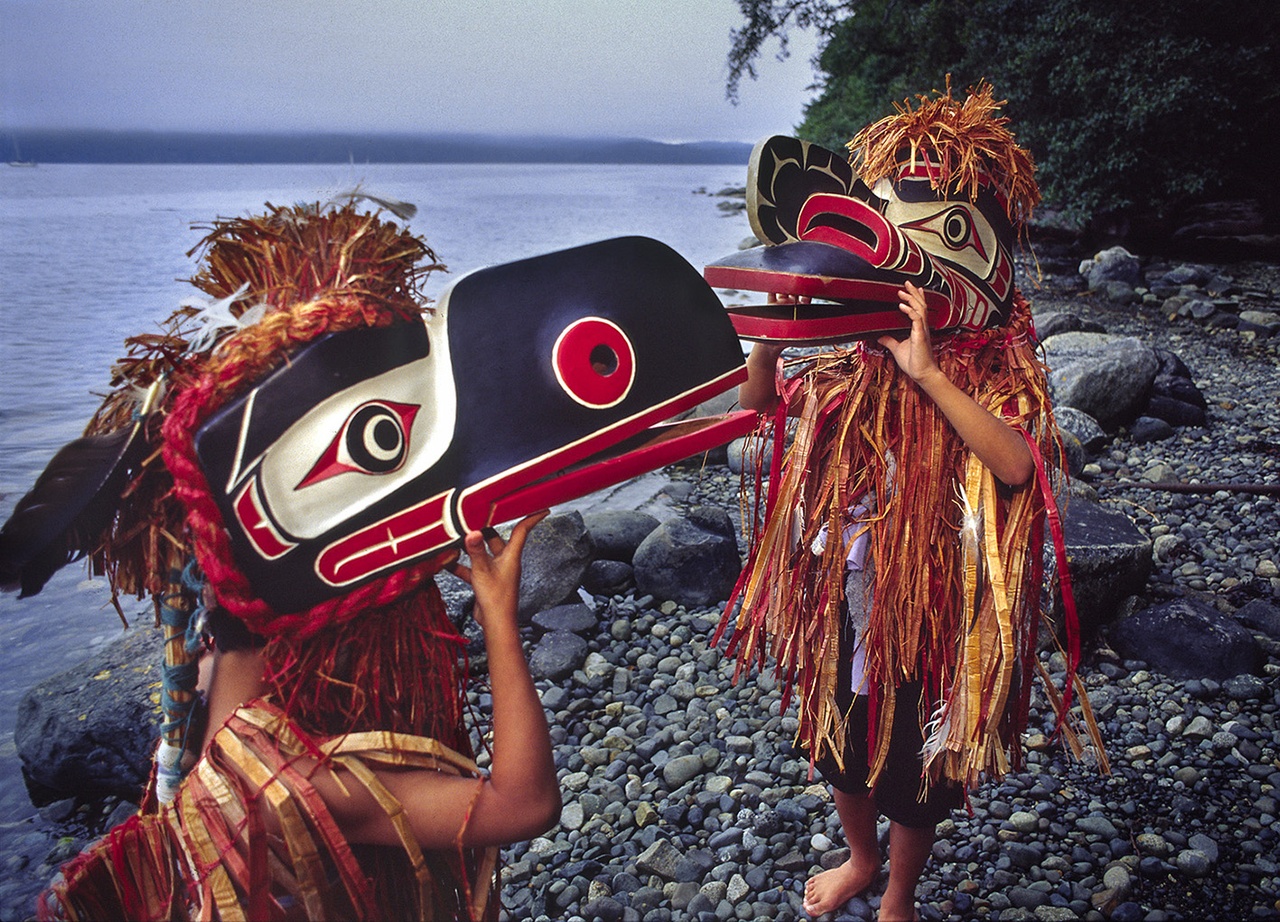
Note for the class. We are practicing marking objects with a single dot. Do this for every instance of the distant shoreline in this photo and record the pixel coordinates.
(95, 146)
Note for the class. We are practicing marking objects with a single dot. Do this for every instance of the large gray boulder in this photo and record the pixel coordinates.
(748, 452)
(1176, 412)
(555, 558)
(1175, 398)
(91, 730)
(1083, 426)
(1073, 452)
(756, 450)
(616, 533)
(1187, 639)
(1260, 616)
(557, 655)
(1108, 377)
(575, 618)
(1051, 323)
(1115, 264)
(1178, 276)
(690, 560)
(608, 577)
(1109, 560)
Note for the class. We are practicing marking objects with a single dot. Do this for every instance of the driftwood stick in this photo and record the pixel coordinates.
(1261, 489)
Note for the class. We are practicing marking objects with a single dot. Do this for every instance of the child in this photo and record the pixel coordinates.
(336, 778)
(896, 579)
(519, 798)
(912, 824)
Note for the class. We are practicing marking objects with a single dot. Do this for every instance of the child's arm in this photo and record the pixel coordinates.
(521, 796)
(760, 392)
(993, 440)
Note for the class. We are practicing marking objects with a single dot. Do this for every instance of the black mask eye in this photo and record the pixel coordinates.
(373, 440)
(957, 228)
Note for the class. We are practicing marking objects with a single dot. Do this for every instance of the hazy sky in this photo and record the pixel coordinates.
(648, 68)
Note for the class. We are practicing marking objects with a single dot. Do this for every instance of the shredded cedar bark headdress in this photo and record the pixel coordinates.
(962, 145)
(277, 280)
(956, 557)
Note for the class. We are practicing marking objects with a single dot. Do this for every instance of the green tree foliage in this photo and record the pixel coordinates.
(1125, 105)
(766, 19)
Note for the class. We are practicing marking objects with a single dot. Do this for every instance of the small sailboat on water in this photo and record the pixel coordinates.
(17, 157)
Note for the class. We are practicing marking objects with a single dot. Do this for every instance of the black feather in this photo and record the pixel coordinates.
(70, 506)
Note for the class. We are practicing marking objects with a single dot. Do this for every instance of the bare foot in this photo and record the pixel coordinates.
(828, 891)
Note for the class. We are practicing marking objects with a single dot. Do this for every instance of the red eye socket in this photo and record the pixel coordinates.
(594, 362)
(373, 440)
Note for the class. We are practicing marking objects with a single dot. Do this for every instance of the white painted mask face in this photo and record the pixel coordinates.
(360, 444)
(971, 241)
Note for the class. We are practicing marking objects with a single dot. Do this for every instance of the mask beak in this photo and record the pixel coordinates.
(850, 251)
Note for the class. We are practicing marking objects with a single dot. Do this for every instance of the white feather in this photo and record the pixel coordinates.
(936, 732)
(970, 523)
(216, 316)
(402, 210)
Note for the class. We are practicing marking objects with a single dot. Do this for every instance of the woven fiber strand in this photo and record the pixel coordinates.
(963, 144)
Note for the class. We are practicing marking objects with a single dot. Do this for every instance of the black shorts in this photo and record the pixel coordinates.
(900, 786)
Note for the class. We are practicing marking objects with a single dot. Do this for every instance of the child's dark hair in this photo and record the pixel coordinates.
(229, 632)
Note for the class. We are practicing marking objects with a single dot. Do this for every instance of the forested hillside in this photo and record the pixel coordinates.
(1129, 108)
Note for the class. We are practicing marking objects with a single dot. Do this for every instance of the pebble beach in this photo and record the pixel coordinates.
(685, 800)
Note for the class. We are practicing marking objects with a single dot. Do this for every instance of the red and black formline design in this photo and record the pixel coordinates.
(530, 384)
(849, 249)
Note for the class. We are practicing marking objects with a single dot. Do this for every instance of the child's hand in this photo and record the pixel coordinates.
(494, 573)
(914, 354)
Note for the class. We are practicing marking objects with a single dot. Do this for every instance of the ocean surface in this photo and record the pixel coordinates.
(91, 254)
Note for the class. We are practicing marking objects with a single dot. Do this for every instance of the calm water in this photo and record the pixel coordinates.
(91, 254)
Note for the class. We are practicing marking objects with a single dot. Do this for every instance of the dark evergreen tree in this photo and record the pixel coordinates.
(1127, 106)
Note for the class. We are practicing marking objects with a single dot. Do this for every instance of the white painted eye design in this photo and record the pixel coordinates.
(373, 440)
(594, 362)
(959, 232)
(955, 229)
